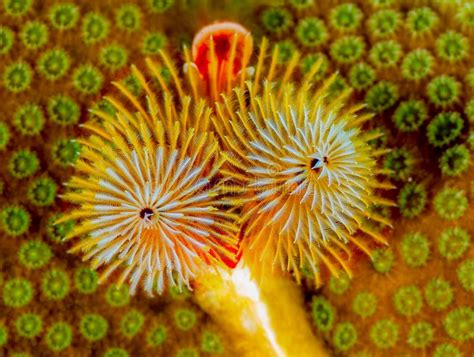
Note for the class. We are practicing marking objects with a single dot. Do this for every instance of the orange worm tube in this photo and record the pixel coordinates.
(264, 318)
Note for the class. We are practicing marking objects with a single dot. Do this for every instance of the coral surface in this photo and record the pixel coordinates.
(410, 62)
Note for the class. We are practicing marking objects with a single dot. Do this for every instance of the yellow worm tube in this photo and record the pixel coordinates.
(264, 318)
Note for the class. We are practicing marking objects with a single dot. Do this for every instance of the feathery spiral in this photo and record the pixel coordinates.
(300, 170)
(146, 189)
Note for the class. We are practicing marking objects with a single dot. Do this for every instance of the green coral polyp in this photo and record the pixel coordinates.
(381, 96)
(53, 64)
(410, 115)
(93, 327)
(15, 220)
(465, 273)
(384, 334)
(105, 106)
(323, 313)
(420, 335)
(452, 46)
(276, 20)
(417, 64)
(384, 23)
(17, 292)
(95, 28)
(455, 161)
(211, 343)
(6, 39)
(438, 294)
(339, 285)
(365, 304)
(345, 17)
(23, 163)
(400, 162)
(446, 350)
(55, 284)
(469, 110)
(470, 140)
(361, 76)
(450, 203)
(311, 32)
(421, 21)
(415, 250)
(58, 336)
(345, 336)
(42, 192)
(160, 6)
(458, 323)
(381, 3)
(465, 16)
(34, 35)
(64, 16)
(381, 140)
(87, 79)
(444, 128)
(34, 254)
(185, 319)
(157, 336)
(301, 4)
(412, 199)
(17, 77)
(347, 49)
(63, 110)
(57, 232)
(385, 54)
(113, 57)
(153, 43)
(117, 296)
(29, 119)
(408, 300)
(382, 260)
(86, 280)
(17, 8)
(65, 152)
(3, 335)
(337, 86)
(443, 90)
(286, 50)
(29, 325)
(187, 352)
(128, 18)
(453, 242)
(116, 352)
(470, 78)
(132, 323)
(133, 85)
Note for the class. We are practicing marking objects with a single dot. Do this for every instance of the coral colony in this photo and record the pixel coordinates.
(236, 178)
